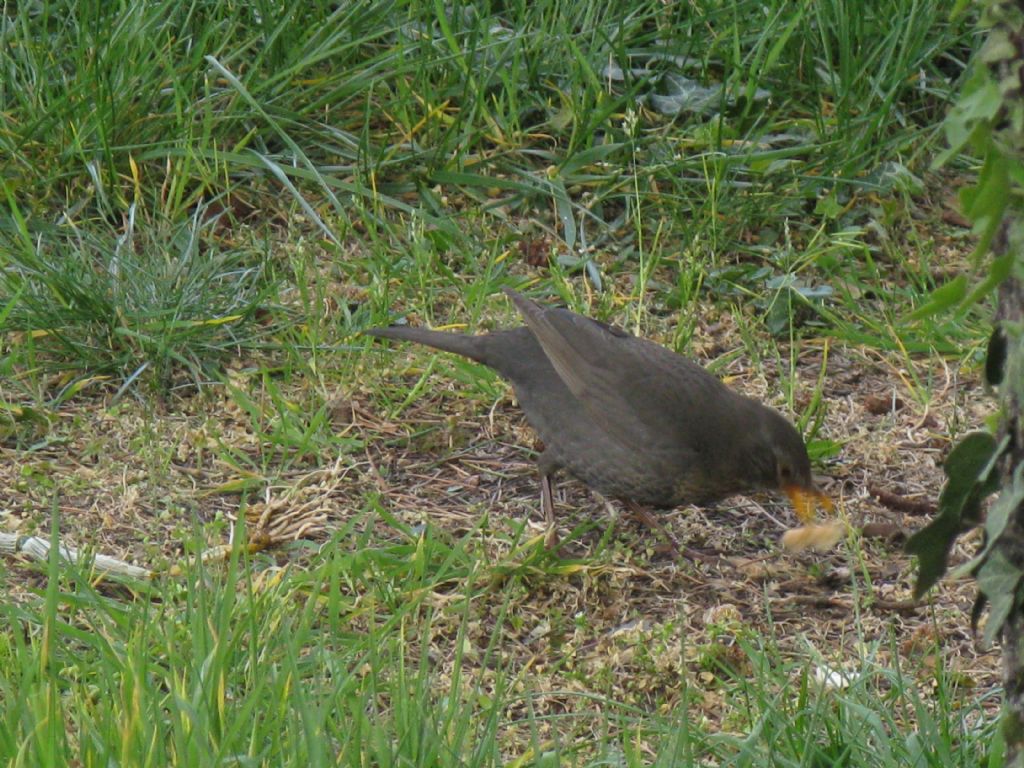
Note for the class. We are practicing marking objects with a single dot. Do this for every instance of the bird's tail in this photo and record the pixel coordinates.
(459, 343)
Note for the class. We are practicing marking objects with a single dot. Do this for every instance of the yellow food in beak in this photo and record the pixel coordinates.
(805, 501)
(818, 537)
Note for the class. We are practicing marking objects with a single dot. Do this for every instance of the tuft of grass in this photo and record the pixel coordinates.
(154, 298)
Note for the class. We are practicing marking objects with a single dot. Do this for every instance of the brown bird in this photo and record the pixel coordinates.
(632, 419)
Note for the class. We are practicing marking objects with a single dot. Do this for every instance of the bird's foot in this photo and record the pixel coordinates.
(551, 540)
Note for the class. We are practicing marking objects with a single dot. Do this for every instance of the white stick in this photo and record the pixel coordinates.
(39, 549)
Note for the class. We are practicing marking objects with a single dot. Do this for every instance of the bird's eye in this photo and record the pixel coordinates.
(785, 473)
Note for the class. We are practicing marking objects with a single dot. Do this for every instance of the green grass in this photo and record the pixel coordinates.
(216, 197)
(327, 665)
(378, 120)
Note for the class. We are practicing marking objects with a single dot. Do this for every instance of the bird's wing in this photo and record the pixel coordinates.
(642, 395)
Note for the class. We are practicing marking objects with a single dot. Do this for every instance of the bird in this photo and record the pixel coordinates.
(631, 419)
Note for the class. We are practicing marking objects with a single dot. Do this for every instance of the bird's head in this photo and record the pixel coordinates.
(788, 467)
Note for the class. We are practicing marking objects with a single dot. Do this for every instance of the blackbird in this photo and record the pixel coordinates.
(630, 418)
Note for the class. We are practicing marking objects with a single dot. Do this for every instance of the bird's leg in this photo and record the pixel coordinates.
(547, 506)
(643, 514)
(547, 467)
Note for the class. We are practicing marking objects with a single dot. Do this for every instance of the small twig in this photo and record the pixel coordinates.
(822, 601)
(38, 548)
(890, 532)
(902, 503)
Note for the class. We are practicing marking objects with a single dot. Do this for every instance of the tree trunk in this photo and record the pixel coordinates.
(1011, 319)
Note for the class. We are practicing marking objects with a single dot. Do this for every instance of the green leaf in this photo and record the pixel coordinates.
(1015, 170)
(968, 468)
(984, 204)
(997, 517)
(974, 450)
(781, 40)
(998, 47)
(1009, 500)
(931, 545)
(987, 198)
(973, 113)
(999, 580)
(819, 450)
(942, 298)
(998, 271)
(590, 156)
(958, 9)
(829, 206)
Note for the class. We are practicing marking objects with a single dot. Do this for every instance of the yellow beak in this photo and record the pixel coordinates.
(805, 501)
